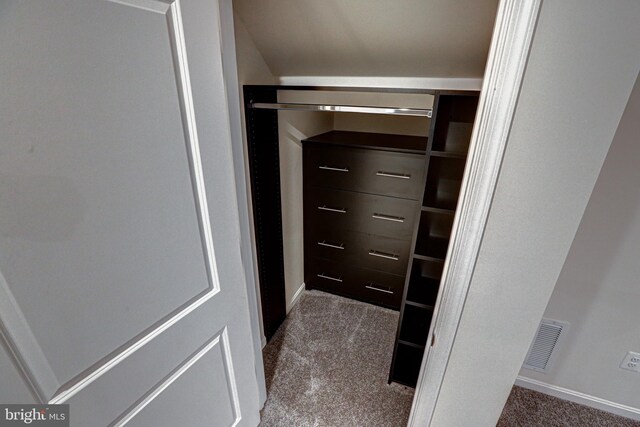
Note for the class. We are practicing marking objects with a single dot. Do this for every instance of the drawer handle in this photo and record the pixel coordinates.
(393, 175)
(384, 255)
(325, 208)
(335, 279)
(335, 169)
(375, 288)
(388, 217)
(330, 245)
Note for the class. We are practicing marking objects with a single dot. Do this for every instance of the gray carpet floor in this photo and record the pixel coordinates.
(528, 408)
(328, 363)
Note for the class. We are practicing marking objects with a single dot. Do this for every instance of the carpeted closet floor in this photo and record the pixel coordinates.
(328, 363)
(328, 366)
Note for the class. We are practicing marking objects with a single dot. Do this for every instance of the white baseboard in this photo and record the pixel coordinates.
(580, 398)
(296, 297)
(263, 341)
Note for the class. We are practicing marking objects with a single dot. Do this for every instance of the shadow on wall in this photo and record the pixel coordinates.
(610, 216)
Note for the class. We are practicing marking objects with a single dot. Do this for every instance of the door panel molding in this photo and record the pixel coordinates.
(14, 327)
(23, 346)
(222, 339)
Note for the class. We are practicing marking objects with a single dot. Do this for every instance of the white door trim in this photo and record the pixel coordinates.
(512, 36)
(247, 243)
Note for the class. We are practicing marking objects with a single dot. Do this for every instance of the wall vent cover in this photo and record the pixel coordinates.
(545, 342)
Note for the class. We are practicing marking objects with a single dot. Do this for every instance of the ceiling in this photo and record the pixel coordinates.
(390, 38)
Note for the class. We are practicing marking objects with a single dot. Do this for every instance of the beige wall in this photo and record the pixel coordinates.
(294, 126)
(598, 291)
(556, 147)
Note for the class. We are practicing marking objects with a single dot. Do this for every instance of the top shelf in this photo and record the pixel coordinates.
(379, 141)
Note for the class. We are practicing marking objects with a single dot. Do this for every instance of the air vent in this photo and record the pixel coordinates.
(546, 341)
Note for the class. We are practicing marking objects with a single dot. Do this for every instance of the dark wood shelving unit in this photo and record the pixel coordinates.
(448, 144)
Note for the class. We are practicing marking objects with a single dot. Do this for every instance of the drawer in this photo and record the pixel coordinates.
(368, 213)
(359, 283)
(368, 171)
(359, 249)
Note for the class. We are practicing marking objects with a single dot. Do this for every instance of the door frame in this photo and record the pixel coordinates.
(506, 64)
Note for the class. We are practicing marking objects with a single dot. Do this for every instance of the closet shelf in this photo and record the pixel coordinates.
(427, 258)
(438, 210)
(447, 154)
(418, 304)
(432, 246)
(410, 344)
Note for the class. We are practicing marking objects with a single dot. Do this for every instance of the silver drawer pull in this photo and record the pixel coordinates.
(331, 168)
(335, 279)
(330, 245)
(394, 175)
(388, 217)
(374, 288)
(384, 255)
(325, 208)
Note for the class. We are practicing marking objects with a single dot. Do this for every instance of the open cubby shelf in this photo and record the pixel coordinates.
(433, 234)
(432, 246)
(444, 179)
(424, 283)
(450, 136)
(457, 137)
(415, 324)
(407, 366)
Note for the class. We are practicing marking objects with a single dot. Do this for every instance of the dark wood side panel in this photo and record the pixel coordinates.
(449, 139)
(264, 167)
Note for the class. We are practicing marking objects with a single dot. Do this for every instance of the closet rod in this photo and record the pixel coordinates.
(422, 112)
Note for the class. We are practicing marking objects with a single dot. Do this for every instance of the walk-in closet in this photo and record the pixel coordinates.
(354, 185)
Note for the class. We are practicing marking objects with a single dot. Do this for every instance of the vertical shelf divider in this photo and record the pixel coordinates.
(449, 137)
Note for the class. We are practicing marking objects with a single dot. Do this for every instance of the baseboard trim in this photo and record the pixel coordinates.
(296, 297)
(580, 398)
(263, 341)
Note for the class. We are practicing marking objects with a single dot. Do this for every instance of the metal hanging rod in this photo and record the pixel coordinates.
(421, 112)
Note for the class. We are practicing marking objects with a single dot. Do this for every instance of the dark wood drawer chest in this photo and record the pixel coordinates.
(361, 204)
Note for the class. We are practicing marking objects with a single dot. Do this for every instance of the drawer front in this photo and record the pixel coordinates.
(359, 249)
(369, 171)
(366, 285)
(368, 213)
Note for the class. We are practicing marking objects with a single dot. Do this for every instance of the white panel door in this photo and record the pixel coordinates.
(121, 287)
